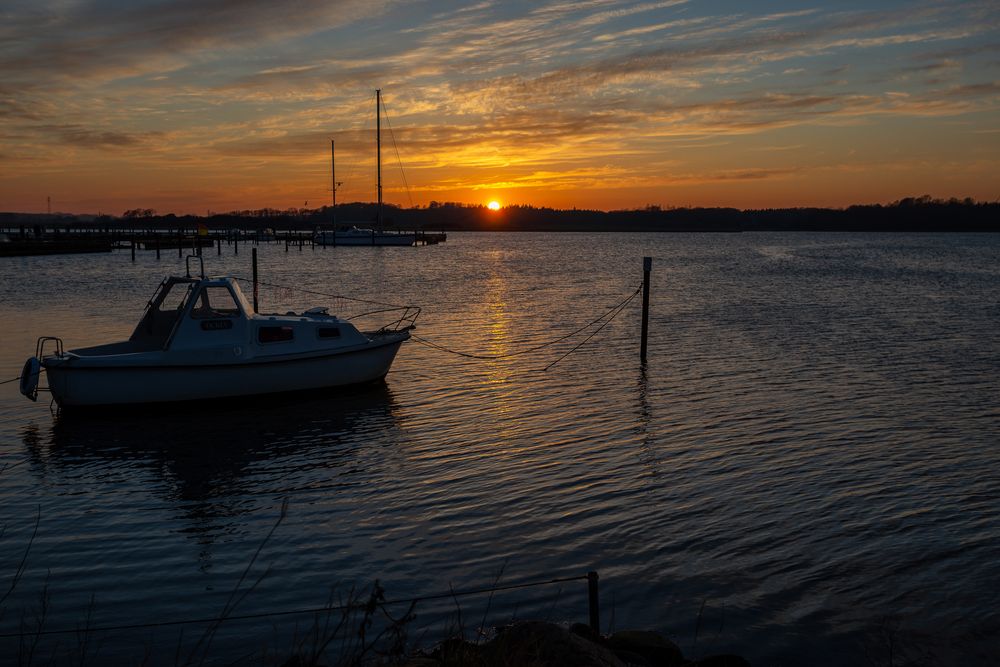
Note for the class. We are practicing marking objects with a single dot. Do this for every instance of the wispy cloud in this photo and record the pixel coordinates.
(76, 135)
(98, 38)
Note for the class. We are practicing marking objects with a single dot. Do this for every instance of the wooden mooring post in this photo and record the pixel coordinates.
(647, 266)
(218, 242)
(157, 246)
(253, 253)
(593, 602)
(133, 248)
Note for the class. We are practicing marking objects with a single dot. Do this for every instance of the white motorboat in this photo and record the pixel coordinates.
(199, 338)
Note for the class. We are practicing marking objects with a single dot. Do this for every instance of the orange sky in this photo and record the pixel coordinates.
(187, 107)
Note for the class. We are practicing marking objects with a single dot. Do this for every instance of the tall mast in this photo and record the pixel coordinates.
(333, 181)
(378, 152)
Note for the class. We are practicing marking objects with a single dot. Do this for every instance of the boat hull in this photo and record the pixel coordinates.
(366, 239)
(78, 385)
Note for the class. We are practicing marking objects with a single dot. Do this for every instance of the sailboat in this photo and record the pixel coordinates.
(354, 235)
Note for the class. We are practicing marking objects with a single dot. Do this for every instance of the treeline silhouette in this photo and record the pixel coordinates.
(916, 214)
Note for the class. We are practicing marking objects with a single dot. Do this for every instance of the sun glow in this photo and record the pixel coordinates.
(493, 206)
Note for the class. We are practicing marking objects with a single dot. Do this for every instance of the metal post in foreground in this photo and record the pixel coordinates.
(647, 266)
(593, 602)
(253, 253)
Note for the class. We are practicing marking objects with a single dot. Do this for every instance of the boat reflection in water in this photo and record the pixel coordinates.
(218, 461)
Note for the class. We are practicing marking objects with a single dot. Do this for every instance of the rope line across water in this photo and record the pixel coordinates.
(610, 315)
(19, 377)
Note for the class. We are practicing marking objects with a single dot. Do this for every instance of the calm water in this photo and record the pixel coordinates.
(807, 470)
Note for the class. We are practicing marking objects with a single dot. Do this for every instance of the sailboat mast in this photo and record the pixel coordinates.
(333, 181)
(378, 151)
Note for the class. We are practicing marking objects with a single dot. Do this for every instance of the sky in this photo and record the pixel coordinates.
(191, 106)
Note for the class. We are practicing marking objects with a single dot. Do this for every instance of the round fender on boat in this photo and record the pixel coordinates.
(29, 377)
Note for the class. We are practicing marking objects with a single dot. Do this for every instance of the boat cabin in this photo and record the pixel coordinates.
(189, 314)
(182, 308)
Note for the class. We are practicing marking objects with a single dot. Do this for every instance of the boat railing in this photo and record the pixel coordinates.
(366, 314)
(44, 341)
(32, 372)
(405, 318)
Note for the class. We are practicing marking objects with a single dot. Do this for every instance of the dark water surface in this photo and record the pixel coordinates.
(805, 473)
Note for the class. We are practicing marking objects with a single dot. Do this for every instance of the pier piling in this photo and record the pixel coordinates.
(593, 602)
(253, 254)
(647, 266)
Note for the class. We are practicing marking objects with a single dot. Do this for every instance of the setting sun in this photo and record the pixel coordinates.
(493, 206)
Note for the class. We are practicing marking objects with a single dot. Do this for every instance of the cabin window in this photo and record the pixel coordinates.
(214, 301)
(329, 332)
(275, 334)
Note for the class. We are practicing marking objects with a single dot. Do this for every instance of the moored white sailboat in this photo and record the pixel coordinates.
(354, 235)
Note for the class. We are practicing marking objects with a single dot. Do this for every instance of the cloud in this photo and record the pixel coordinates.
(84, 137)
(98, 38)
(750, 48)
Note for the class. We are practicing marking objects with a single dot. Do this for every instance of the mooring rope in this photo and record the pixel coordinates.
(621, 307)
(38, 372)
(611, 314)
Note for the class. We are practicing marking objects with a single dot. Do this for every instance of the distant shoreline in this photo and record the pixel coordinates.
(908, 215)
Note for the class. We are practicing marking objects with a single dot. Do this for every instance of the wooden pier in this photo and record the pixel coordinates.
(26, 240)
(28, 247)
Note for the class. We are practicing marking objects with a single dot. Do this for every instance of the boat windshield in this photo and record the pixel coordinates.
(173, 297)
(162, 313)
